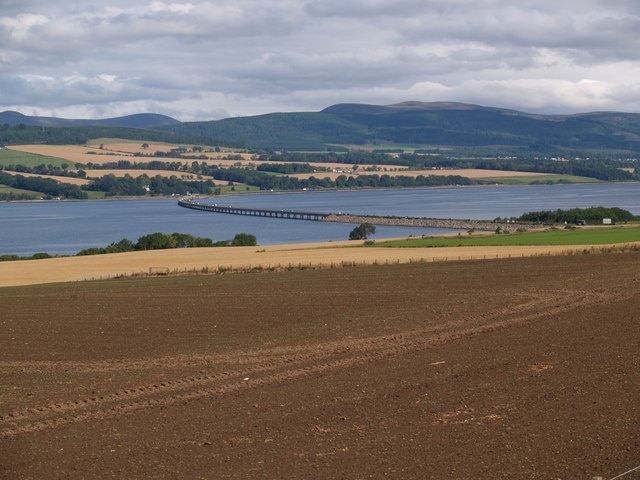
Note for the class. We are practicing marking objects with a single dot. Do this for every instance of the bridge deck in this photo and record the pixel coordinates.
(256, 212)
(454, 224)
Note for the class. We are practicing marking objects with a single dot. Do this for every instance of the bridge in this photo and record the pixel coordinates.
(449, 223)
(255, 212)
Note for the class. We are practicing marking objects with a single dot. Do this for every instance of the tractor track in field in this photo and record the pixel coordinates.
(222, 374)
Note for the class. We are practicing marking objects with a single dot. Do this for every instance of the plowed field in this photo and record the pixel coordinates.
(522, 368)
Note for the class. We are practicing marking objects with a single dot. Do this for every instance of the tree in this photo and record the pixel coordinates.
(362, 231)
(244, 240)
(155, 241)
(124, 245)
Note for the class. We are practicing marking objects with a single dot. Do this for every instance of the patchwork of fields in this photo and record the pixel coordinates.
(104, 151)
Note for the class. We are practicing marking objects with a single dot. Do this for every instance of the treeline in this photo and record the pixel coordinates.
(49, 169)
(286, 168)
(605, 169)
(145, 185)
(80, 135)
(262, 176)
(129, 165)
(591, 215)
(266, 181)
(48, 187)
(152, 241)
(162, 241)
(109, 184)
(355, 157)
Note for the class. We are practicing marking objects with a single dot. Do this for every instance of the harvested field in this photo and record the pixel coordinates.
(508, 368)
(72, 180)
(114, 151)
(78, 153)
(277, 257)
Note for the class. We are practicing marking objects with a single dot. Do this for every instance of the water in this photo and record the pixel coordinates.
(68, 227)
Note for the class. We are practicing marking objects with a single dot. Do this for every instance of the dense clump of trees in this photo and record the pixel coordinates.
(362, 231)
(143, 185)
(243, 240)
(152, 241)
(592, 215)
(266, 181)
(48, 187)
(42, 169)
(161, 241)
(286, 168)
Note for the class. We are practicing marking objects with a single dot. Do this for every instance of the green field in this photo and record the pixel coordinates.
(31, 160)
(6, 190)
(579, 236)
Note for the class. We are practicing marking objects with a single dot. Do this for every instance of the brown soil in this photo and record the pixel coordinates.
(509, 368)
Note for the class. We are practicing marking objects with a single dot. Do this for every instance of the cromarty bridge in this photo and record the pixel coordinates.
(446, 223)
(254, 212)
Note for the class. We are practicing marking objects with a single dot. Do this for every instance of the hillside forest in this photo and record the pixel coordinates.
(342, 147)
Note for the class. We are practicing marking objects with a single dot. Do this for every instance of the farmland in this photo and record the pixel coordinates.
(502, 368)
(75, 164)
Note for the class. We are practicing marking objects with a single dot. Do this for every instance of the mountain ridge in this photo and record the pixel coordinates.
(443, 126)
(433, 125)
(137, 120)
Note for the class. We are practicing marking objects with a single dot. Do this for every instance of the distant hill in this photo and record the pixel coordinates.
(454, 128)
(446, 125)
(140, 120)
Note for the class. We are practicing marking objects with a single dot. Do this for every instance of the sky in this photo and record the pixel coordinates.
(206, 60)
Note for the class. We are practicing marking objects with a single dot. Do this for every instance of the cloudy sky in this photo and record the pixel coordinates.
(205, 60)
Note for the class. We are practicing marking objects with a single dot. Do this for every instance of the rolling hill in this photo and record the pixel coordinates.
(454, 128)
(430, 125)
(139, 120)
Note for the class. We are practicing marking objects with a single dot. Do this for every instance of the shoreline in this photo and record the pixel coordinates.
(324, 190)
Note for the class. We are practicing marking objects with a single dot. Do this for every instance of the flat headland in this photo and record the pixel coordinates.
(446, 223)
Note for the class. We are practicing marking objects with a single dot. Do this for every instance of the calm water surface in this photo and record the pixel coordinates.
(67, 227)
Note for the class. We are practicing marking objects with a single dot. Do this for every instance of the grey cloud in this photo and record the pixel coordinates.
(205, 57)
(364, 8)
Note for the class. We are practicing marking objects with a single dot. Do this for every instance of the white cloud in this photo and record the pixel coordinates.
(18, 28)
(182, 8)
(203, 59)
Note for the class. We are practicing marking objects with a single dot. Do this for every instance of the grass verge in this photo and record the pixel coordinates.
(578, 236)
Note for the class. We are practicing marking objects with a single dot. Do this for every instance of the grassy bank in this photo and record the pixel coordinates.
(580, 236)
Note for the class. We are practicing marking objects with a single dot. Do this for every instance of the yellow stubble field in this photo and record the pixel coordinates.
(194, 260)
(122, 150)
